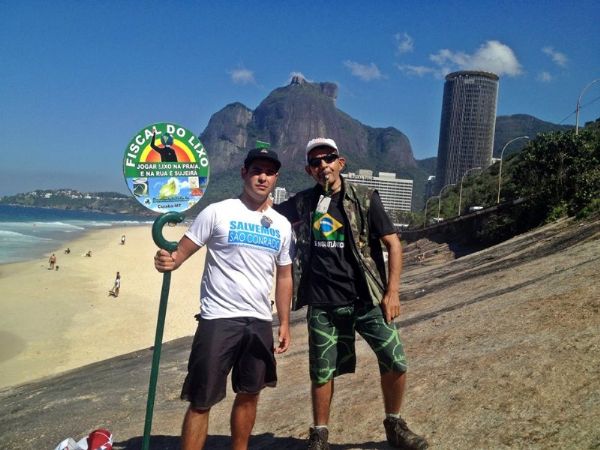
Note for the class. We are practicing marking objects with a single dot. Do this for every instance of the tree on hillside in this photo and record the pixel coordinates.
(560, 172)
(557, 174)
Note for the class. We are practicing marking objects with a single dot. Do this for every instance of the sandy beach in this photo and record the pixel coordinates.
(55, 320)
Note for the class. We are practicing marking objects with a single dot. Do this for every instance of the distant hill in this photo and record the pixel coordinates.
(510, 127)
(106, 202)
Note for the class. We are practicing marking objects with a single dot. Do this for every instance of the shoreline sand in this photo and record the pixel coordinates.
(54, 321)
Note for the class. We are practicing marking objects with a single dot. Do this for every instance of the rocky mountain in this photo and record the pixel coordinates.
(510, 127)
(291, 115)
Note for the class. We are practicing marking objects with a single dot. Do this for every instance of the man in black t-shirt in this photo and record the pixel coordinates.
(343, 279)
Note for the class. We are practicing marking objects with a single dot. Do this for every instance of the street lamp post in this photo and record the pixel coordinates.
(461, 183)
(427, 201)
(440, 199)
(500, 169)
(579, 104)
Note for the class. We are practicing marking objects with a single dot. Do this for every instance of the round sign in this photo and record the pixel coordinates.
(166, 168)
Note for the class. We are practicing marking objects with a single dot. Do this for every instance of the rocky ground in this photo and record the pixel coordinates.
(504, 346)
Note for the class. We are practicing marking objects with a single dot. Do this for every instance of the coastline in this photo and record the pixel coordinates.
(28, 232)
(56, 320)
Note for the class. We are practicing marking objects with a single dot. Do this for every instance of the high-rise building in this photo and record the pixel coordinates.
(429, 186)
(395, 193)
(467, 125)
(280, 195)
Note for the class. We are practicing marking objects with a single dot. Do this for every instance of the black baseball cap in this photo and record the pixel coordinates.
(262, 153)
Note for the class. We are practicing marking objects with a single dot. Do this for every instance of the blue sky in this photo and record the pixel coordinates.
(81, 78)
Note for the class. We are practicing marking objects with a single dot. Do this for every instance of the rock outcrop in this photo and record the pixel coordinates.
(291, 115)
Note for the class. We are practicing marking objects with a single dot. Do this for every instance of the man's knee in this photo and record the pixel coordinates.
(247, 398)
(193, 412)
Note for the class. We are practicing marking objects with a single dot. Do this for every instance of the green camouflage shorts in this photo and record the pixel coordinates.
(331, 335)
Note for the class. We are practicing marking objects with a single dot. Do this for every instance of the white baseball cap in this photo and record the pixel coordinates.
(320, 142)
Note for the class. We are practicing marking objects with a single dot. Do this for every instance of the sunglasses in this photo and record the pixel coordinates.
(316, 162)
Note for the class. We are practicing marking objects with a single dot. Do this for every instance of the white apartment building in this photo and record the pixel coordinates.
(395, 193)
(280, 195)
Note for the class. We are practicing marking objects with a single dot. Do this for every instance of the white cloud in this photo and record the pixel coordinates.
(557, 57)
(364, 72)
(242, 76)
(544, 77)
(493, 56)
(404, 43)
(418, 71)
(446, 56)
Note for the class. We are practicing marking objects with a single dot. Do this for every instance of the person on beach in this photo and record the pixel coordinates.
(67, 251)
(89, 254)
(123, 240)
(52, 261)
(339, 272)
(116, 286)
(247, 243)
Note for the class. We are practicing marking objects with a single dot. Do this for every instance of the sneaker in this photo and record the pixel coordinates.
(399, 436)
(317, 439)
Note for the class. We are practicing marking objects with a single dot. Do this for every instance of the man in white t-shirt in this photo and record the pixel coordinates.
(246, 241)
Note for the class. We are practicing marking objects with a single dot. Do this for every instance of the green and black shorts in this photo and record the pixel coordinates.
(331, 336)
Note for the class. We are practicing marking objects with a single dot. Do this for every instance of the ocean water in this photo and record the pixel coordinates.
(30, 233)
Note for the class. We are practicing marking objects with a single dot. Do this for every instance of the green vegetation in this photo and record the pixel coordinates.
(556, 175)
(560, 172)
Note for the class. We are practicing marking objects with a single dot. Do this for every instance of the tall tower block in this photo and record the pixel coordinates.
(467, 125)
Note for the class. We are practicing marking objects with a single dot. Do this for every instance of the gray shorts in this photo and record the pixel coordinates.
(331, 335)
(220, 345)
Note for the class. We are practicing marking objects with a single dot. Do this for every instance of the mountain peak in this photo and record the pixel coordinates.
(292, 115)
(298, 79)
(328, 89)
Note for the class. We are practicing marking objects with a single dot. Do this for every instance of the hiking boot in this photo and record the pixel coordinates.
(399, 436)
(317, 439)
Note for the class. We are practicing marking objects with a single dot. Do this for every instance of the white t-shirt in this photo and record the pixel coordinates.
(243, 247)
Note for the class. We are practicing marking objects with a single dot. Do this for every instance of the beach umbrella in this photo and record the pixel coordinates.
(166, 169)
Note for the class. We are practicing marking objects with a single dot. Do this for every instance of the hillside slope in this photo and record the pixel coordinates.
(503, 345)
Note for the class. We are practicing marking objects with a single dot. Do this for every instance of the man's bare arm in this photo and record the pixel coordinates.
(391, 296)
(283, 300)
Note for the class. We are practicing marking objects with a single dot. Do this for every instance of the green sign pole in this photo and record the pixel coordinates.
(170, 246)
(166, 169)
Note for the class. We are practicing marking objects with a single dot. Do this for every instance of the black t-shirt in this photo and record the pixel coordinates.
(335, 278)
(333, 271)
